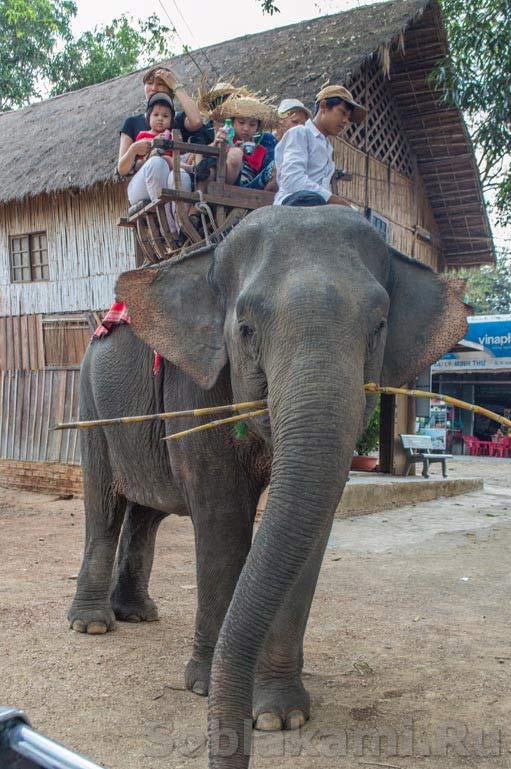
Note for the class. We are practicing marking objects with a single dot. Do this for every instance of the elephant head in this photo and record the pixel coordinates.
(304, 306)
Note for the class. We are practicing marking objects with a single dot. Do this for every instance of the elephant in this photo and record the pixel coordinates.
(299, 306)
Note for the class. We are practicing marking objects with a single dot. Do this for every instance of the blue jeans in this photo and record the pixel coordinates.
(260, 181)
(304, 198)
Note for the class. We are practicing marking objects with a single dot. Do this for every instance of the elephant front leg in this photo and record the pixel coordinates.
(91, 611)
(222, 542)
(280, 700)
(130, 598)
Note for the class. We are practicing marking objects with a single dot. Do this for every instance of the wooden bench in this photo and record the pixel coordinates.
(418, 449)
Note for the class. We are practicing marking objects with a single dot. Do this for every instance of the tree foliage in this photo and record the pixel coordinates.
(477, 81)
(269, 7)
(489, 288)
(106, 52)
(38, 55)
(30, 31)
(370, 438)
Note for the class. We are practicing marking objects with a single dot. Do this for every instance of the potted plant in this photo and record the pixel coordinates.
(368, 443)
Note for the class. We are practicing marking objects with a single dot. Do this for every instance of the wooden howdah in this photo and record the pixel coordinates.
(221, 207)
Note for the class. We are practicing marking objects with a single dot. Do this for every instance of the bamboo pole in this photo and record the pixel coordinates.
(165, 415)
(216, 423)
(371, 387)
(374, 388)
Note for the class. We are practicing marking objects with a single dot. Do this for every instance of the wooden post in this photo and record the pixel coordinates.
(221, 171)
(387, 410)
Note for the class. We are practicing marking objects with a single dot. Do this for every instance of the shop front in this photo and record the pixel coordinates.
(481, 376)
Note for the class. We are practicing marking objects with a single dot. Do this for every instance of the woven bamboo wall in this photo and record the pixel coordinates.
(402, 200)
(30, 403)
(86, 250)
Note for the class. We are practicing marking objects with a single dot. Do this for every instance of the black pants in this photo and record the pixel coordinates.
(304, 198)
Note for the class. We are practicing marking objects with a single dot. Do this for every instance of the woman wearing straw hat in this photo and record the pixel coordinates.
(304, 156)
(209, 99)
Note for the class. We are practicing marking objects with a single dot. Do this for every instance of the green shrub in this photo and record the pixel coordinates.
(370, 438)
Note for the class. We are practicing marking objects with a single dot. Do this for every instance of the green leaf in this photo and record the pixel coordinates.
(269, 7)
(371, 436)
(38, 55)
(240, 430)
(476, 77)
(488, 289)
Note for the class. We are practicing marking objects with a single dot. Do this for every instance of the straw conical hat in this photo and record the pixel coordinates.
(210, 98)
(246, 106)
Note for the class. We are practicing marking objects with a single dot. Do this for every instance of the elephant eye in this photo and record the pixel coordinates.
(246, 331)
(375, 336)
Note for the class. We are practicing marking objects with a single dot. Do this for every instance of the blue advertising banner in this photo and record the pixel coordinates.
(493, 332)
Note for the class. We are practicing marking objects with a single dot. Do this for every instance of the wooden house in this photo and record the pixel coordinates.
(410, 166)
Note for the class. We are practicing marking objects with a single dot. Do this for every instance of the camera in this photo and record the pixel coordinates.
(248, 148)
(160, 146)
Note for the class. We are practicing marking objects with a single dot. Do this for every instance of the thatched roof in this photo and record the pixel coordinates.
(71, 141)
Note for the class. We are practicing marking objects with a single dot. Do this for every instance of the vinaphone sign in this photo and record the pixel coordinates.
(493, 332)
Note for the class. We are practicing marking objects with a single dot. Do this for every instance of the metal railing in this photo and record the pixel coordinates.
(22, 747)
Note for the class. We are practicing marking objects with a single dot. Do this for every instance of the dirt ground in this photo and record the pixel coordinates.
(407, 655)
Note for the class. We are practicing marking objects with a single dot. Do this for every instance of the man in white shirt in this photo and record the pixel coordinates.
(303, 157)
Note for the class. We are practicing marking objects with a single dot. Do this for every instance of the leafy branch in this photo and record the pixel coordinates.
(476, 78)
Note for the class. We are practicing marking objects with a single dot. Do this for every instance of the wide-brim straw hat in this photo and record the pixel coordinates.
(246, 106)
(331, 91)
(211, 97)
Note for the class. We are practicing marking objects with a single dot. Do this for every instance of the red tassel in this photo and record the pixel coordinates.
(156, 363)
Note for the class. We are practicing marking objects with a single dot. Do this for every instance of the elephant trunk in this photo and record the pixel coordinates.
(315, 424)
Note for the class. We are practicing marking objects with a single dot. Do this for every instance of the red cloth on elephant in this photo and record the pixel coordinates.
(117, 315)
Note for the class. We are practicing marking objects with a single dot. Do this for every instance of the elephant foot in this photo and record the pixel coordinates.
(92, 621)
(134, 609)
(197, 676)
(280, 704)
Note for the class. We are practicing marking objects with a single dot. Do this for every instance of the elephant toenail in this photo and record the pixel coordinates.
(200, 688)
(133, 618)
(96, 628)
(268, 722)
(295, 720)
(79, 626)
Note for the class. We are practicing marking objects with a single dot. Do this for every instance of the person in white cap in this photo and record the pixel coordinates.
(303, 157)
(290, 112)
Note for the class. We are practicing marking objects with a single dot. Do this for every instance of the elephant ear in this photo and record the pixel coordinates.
(175, 310)
(427, 317)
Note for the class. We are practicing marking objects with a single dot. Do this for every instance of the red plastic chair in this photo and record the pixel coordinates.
(483, 448)
(471, 445)
(503, 447)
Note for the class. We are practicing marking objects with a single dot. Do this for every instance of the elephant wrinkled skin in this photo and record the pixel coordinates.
(301, 306)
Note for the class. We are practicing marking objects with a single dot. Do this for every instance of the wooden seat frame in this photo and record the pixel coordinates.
(221, 207)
